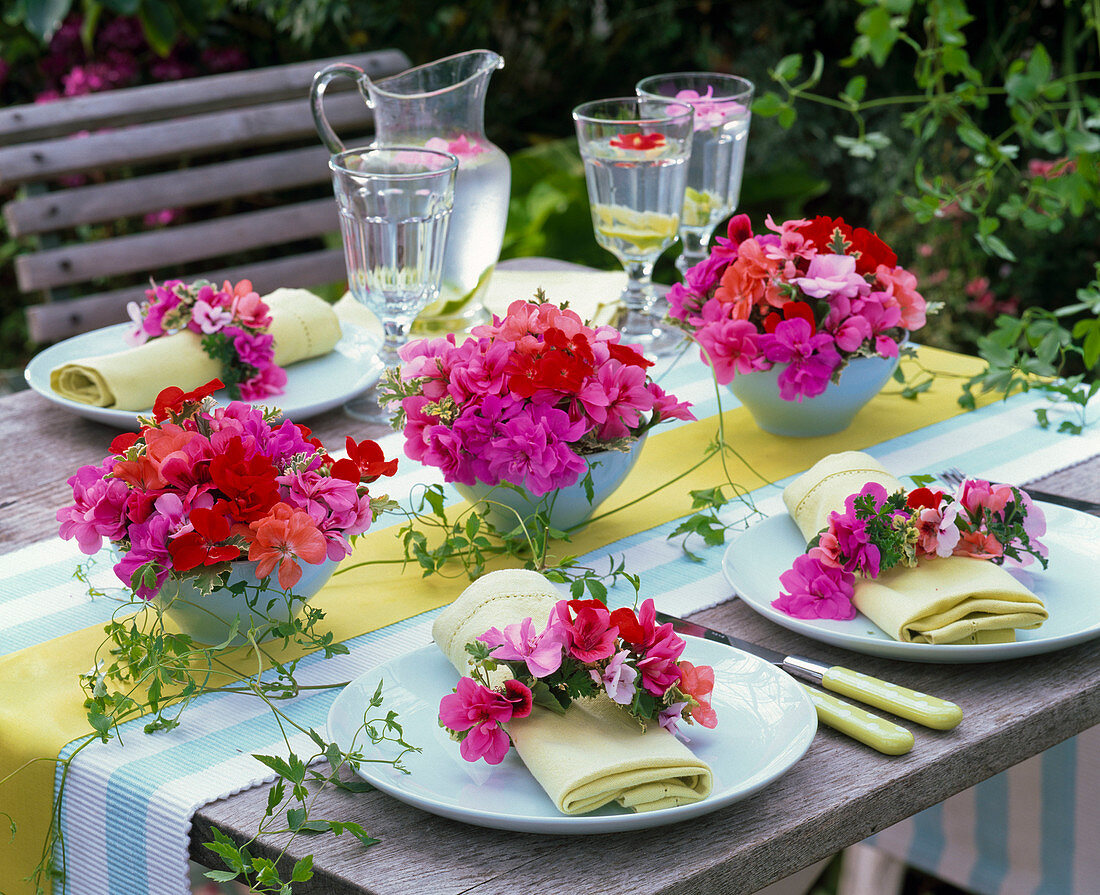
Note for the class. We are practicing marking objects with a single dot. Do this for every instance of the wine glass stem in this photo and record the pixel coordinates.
(694, 249)
(394, 334)
(635, 296)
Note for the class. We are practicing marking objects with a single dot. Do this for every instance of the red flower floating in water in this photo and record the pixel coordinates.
(638, 141)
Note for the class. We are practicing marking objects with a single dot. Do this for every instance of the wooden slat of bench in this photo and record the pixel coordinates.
(19, 124)
(198, 136)
(63, 209)
(164, 249)
(60, 320)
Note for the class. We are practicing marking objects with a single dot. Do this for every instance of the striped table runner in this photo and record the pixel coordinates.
(128, 807)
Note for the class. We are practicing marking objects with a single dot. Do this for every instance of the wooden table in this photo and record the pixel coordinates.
(838, 794)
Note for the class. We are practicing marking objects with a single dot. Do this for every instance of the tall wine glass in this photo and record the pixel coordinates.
(721, 103)
(635, 164)
(395, 205)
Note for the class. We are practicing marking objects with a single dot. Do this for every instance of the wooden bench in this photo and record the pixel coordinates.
(236, 154)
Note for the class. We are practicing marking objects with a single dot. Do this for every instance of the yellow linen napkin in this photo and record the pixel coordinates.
(594, 753)
(942, 600)
(303, 324)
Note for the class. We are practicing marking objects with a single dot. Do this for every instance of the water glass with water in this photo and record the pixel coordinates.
(635, 164)
(395, 206)
(722, 116)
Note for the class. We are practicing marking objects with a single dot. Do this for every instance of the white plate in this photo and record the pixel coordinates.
(756, 559)
(765, 724)
(312, 387)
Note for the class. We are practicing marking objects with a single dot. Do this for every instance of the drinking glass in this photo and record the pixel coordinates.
(721, 103)
(395, 205)
(635, 164)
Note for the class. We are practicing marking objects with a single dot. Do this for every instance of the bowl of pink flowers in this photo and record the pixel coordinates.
(226, 516)
(536, 412)
(803, 323)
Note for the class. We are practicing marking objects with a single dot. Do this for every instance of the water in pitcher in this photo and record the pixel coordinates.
(477, 228)
(635, 201)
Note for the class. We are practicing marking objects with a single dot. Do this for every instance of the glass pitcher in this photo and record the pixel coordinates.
(441, 106)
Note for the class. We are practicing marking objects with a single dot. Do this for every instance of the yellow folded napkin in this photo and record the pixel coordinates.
(954, 599)
(594, 753)
(303, 324)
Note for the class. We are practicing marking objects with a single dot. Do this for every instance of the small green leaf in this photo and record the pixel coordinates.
(788, 67)
(303, 870)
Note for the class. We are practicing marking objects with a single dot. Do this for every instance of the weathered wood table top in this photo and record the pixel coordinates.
(839, 793)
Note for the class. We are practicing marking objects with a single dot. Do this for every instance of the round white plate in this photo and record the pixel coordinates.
(312, 387)
(765, 724)
(755, 560)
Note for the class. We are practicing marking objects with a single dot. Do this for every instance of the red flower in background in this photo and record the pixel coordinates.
(173, 398)
(865, 246)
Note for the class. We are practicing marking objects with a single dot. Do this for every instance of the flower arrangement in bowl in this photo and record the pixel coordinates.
(803, 323)
(879, 531)
(207, 500)
(527, 408)
(585, 650)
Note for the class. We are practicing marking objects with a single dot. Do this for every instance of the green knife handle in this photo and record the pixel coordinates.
(939, 714)
(871, 730)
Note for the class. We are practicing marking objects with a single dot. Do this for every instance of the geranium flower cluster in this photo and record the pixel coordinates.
(200, 486)
(878, 531)
(231, 321)
(811, 295)
(523, 399)
(583, 651)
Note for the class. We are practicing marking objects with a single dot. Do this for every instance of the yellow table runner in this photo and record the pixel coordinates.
(41, 705)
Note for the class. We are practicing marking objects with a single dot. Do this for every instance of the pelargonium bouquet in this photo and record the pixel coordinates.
(201, 486)
(878, 531)
(585, 650)
(232, 322)
(525, 398)
(811, 295)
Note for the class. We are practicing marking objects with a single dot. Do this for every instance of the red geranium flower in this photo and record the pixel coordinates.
(791, 310)
(627, 355)
(365, 462)
(863, 245)
(203, 545)
(248, 483)
(920, 498)
(120, 444)
(174, 398)
(637, 141)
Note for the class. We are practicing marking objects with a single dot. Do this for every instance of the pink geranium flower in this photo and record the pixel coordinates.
(587, 629)
(519, 642)
(474, 708)
(814, 590)
(617, 678)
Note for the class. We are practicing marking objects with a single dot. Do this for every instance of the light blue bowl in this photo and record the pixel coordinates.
(570, 505)
(831, 411)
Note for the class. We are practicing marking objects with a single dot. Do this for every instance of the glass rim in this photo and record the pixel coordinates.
(449, 162)
(747, 86)
(580, 113)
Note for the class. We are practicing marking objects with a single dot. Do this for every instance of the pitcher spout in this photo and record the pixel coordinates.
(463, 71)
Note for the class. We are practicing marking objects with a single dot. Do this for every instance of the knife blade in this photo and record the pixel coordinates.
(1074, 503)
(929, 711)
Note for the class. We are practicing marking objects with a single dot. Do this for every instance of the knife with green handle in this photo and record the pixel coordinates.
(929, 711)
(871, 730)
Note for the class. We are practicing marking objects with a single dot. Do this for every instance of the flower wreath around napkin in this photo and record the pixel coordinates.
(941, 598)
(592, 754)
(302, 325)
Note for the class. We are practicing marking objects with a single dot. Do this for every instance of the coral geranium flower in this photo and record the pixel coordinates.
(281, 537)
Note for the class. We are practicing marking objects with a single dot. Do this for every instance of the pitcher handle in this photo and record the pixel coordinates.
(317, 96)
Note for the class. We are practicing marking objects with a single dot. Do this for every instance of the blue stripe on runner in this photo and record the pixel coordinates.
(1057, 820)
(990, 835)
(927, 846)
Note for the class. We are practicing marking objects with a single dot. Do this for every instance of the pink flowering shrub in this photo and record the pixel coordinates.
(583, 651)
(524, 399)
(201, 486)
(809, 296)
(879, 531)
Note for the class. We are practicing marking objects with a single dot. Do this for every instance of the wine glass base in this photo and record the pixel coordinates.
(366, 409)
(639, 328)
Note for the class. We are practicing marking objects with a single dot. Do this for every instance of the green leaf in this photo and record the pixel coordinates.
(222, 876)
(44, 17)
(788, 67)
(303, 870)
(856, 88)
(769, 105)
(159, 25)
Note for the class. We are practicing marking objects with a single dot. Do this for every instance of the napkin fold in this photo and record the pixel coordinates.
(954, 599)
(303, 325)
(594, 753)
